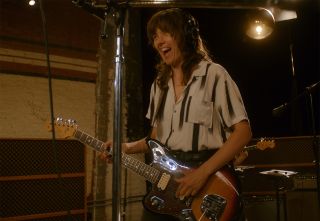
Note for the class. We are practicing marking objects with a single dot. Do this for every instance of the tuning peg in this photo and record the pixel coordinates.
(70, 122)
(59, 120)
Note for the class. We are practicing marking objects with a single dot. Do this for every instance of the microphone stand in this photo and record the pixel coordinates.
(119, 15)
(315, 143)
(113, 7)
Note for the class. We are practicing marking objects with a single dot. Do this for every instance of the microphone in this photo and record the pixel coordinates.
(89, 7)
(278, 111)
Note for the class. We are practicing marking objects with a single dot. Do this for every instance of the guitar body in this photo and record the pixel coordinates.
(217, 200)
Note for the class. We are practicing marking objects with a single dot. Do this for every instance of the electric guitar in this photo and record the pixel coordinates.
(218, 200)
(260, 145)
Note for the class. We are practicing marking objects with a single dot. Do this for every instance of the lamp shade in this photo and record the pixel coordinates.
(259, 24)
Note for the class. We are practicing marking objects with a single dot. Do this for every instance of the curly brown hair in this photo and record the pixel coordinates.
(184, 28)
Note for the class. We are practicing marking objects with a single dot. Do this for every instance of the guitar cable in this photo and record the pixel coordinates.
(66, 200)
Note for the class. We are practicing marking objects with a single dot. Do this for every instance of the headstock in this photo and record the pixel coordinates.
(265, 143)
(64, 128)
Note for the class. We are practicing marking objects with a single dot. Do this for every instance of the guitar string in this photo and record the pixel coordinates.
(99, 145)
(200, 218)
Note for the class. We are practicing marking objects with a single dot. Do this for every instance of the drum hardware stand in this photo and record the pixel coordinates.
(278, 176)
(278, 111)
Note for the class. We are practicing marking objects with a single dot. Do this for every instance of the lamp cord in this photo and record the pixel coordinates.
(54, 146)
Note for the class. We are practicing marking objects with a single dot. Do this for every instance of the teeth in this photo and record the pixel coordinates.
(165, 49)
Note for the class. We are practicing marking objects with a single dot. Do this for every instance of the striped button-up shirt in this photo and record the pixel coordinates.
(202, 117)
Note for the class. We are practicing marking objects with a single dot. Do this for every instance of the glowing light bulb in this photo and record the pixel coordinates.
(259, 29)
(32, 2)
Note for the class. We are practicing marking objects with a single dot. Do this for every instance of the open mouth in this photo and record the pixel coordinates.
(165, 51)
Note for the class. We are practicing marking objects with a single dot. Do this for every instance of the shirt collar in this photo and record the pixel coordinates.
(200, 70)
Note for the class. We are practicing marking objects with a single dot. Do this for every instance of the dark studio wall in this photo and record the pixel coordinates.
(262, 69)
(71, 32)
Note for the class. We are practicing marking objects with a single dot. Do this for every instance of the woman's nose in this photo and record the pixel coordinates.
(158, 40)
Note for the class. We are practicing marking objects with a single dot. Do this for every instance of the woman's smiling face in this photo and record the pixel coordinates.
(167, 47)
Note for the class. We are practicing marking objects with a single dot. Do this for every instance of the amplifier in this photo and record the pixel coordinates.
(287, 150)
(42, 181)
(292, 154)
(294, 206)
(305, 182)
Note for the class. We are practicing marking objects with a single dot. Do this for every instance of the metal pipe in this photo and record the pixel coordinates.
(284, 4)
(116, 184)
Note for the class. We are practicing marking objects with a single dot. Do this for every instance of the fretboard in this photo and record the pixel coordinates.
(149, 173)
(251, 147)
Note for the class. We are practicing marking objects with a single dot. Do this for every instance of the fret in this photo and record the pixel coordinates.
(125, 160)
(155, 174)
(78, 134)
(136, 165)
(149, 174)
(89, 140)
(139, 167)
(83, 137)
(142, 169)
(145, 170)
(100, 146)
(94, 143)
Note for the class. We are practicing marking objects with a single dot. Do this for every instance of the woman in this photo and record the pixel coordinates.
(195, 107)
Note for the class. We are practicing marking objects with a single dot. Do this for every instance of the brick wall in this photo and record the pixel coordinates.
(73, 36)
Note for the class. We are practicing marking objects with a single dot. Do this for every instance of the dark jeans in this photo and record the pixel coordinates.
(149, 216)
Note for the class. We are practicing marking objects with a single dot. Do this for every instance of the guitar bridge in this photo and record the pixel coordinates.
(213, 206)
(187, 215)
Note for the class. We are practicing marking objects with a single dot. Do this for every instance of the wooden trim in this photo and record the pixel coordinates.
(39, 71)
(18, 43)
(45, 215)
(263, 193)
(39, 59)
(41, 177)
(283, 165)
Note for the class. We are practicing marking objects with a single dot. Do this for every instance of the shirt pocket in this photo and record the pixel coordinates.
(199, 112)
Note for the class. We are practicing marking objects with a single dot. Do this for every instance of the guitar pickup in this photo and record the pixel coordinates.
(163, 181)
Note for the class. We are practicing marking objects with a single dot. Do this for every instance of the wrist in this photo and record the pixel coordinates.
(125, 147)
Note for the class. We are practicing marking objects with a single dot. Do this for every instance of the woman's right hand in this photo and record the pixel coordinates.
(106, 154)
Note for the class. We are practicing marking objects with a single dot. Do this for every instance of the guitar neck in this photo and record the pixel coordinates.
(149, 173)
(251, 147)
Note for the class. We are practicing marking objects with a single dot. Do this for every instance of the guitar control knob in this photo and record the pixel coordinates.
(157, 202)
